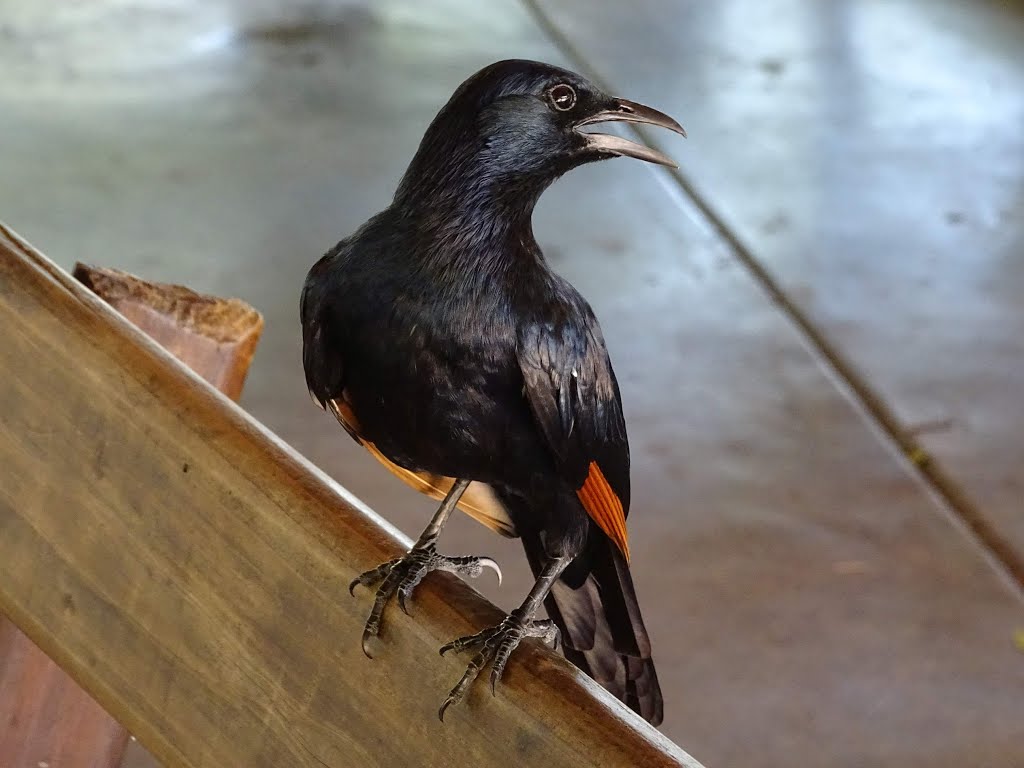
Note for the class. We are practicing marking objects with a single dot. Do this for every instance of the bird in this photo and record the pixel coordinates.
(443, 342)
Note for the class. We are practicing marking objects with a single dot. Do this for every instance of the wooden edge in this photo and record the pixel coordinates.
(221, 320)
(50, 719)
(188, 569)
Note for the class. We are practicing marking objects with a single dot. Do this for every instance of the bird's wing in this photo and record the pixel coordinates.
(575, 400)
(322, 357)
(323, 361)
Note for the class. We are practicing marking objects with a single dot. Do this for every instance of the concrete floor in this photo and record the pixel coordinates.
(839, 262)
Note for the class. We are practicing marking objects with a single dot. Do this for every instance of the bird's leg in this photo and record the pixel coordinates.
(497, 643)
(401, 575)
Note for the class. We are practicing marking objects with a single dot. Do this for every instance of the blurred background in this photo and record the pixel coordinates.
(818, 322)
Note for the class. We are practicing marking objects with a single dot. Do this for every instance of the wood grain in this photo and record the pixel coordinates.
(45, 717)
(189, 570)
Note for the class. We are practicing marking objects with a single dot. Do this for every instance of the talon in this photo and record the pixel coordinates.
(487, 562)
(401, 576)
(367, 637)
(372, 576)
(497, 644)
(447, 703)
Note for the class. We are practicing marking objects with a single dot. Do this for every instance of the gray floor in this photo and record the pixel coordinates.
(838, 263)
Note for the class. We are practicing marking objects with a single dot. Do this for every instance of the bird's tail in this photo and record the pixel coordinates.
(595, 606)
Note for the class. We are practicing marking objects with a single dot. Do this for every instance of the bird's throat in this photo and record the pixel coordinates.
(487, 226)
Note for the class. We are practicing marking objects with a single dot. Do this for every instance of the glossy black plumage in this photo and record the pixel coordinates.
(439, 336)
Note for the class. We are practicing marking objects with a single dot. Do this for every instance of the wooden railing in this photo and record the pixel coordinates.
(50, 720)
(188, 570)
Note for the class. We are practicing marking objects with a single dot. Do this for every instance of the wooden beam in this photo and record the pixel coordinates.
(189, 570)
(47, 718)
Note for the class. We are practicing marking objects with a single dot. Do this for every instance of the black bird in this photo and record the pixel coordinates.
(440, 338)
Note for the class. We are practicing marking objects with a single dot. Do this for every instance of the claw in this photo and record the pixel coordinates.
(447, 703)
(400, 577)
(460, 644)
(372, 576)
(496, 647)
(403, 595)
(366, 644)
(487, 562)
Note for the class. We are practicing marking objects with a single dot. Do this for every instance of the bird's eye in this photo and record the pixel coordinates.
(563, 97)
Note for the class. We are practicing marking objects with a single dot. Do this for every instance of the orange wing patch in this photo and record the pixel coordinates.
(478, 501)
(604, 507)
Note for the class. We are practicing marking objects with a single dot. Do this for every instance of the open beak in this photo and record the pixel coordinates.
(629, 112)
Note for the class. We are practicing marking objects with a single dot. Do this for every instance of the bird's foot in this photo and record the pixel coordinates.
(496, 645)
(401, 575)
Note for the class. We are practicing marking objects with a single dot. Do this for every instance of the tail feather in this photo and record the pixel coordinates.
(603, 632)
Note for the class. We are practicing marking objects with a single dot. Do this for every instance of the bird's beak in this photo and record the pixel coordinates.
(629, 112)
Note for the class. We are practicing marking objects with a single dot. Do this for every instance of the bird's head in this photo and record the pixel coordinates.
(516, 126)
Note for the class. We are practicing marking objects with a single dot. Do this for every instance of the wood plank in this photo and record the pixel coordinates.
(47, 718)
(189, 570)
